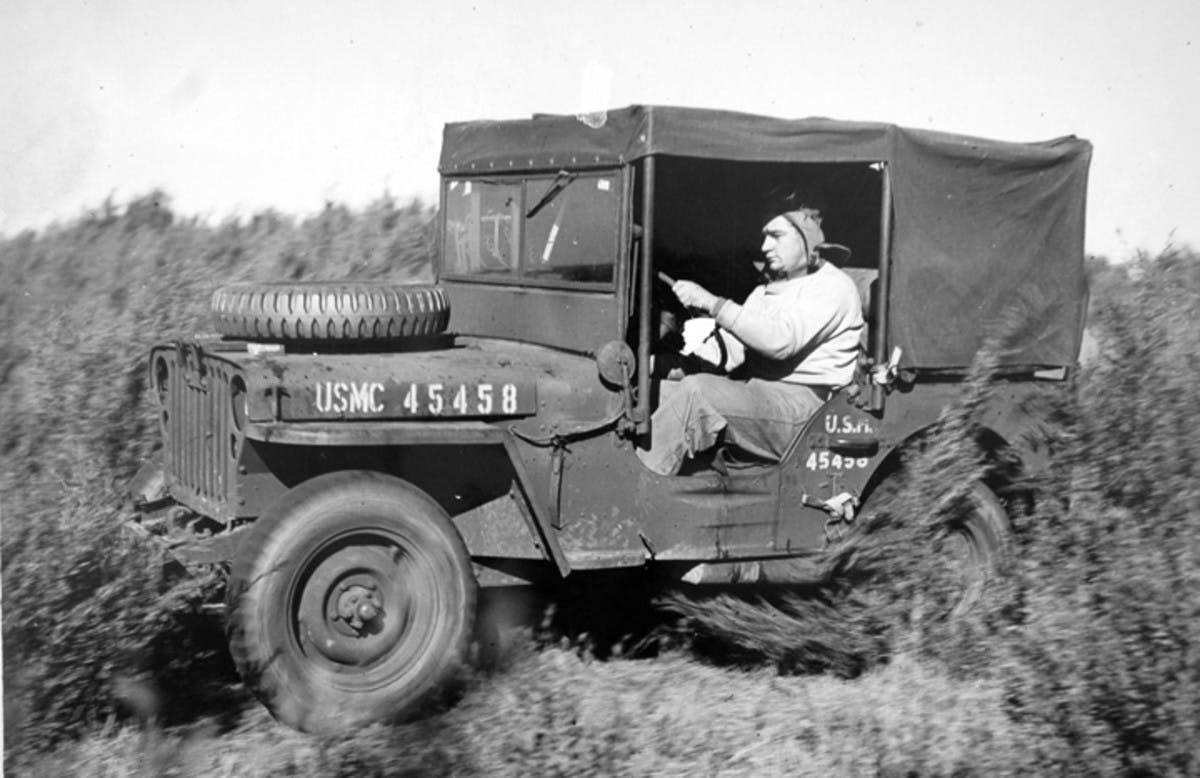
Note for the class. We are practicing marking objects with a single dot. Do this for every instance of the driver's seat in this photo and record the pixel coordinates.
(866, 280)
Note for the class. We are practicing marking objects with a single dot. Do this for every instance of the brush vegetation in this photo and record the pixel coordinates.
(1083, 656)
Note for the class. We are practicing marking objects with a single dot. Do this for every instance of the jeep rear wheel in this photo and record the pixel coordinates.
(974, 545)
(329, 310)
(351, 601)
(970, 546)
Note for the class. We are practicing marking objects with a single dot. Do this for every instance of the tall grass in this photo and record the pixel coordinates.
(87, 610)
(1093, 628)
(1101, 647)
(557, 712)
(1083, 657)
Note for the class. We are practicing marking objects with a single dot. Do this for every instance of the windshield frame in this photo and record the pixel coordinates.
(529, 180)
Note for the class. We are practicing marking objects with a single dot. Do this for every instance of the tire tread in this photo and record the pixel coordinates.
(266, 550)
(339, 311)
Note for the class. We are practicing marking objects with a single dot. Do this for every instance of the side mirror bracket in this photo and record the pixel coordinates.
(617, 365)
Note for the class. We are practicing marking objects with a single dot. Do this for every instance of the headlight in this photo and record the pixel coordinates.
(237, 402)
(162, 372)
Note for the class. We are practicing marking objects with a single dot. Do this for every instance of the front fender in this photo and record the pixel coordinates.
(525, 502)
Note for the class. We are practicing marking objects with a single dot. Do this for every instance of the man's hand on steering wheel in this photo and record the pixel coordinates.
(693, 295)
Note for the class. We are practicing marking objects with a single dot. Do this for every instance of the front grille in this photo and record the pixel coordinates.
(199, 440)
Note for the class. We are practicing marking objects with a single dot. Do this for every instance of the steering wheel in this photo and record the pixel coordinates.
(671, 314)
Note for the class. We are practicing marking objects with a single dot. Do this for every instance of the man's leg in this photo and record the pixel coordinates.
(759, 416)
(765, 416)
(684, 423)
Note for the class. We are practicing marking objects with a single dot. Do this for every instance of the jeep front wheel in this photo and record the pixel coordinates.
(351, 601)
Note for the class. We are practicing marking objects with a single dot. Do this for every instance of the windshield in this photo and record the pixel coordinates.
(551, 230)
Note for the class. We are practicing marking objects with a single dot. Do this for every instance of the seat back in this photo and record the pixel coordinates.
(866, 281)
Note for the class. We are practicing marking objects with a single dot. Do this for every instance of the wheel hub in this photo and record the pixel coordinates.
(354, 607)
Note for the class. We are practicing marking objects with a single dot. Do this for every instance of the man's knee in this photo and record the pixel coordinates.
(694, 403)
(702, 384)
(685, 392)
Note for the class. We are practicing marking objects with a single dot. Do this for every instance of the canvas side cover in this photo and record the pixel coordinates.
(987, 243)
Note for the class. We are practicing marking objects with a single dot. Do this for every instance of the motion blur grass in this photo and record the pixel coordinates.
(553, 711)
(86, 605)
(1083, 658)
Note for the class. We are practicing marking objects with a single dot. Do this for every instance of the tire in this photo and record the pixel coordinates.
(329, 310)
(975, 543)
(352, 600)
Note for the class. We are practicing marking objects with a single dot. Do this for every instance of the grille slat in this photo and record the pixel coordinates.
(221, 409)
(191, 426)
(204, 439)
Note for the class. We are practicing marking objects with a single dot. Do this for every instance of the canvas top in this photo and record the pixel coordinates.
(987, 236)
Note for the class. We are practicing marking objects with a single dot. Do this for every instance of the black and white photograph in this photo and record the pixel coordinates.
(615, 389)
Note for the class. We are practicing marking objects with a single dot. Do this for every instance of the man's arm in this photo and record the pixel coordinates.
(776, 334)
(692, 295)
(780, 334)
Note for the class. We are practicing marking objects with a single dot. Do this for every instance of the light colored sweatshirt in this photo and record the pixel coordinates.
(803, 330)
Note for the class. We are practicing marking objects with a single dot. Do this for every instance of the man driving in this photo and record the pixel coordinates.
(800, 329)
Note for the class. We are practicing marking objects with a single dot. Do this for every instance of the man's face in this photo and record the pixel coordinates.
(783, 249)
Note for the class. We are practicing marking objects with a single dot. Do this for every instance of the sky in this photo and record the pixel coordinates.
(234, 106)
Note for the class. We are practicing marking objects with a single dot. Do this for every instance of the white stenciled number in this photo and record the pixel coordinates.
(460, 400)
(508, 398)
(818, 460)
(484, 393)
(435, 398)
(410, 399)
(821, 460)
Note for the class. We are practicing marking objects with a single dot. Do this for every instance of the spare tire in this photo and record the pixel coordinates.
(329, 310)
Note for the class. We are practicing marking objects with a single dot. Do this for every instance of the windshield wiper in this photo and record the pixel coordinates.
(563, 178)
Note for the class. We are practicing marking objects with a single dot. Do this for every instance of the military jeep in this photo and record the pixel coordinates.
(366, 456)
